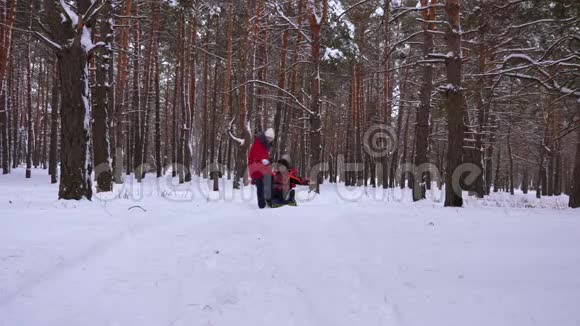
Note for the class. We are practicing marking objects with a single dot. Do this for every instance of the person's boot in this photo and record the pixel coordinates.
(260, 193)
(291, 199)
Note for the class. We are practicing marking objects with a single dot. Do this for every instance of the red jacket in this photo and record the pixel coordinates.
(283, 182)
(258, 152)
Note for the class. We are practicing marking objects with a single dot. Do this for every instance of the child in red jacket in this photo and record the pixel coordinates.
(284, 181)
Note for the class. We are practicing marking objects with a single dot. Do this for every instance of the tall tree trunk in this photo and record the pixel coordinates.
(4, 130)
(280, 105)
(511, 160)
(404, 175)
(121, 96)
(15, 122)
(158, 163)
(316, 21)
(387, 90)
(287, 132)
(72, 55)
(103, 171)
(557, 170)
(479, 151)
(8, 18)
(489, 155)
(525, 181)
(540, 186)
(192, 93)
(148, 80)
(496, 180)
(54, 110)
(74, 178)
(550, 172)
(394, 163)
(454, 105)
(37, 116)
(205, 103)
(214, 142)
(241, 156)
(422, 120)
(138, 164)
(180, 98)
(45, 119)
(29, 122)
(174, 127)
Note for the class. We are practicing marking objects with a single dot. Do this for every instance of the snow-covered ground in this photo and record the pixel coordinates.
(347, 257)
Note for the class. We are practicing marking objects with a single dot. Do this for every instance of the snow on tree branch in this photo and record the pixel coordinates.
(72, 16)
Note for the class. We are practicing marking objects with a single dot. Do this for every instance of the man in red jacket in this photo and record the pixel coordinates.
(259, 165)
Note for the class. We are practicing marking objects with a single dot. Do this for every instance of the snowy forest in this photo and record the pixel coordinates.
(328, 104)
(142, 86)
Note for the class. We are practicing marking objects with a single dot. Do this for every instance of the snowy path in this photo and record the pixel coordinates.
(319, 264)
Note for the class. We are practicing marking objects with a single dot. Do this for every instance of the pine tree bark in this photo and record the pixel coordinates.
(489, 154)
(148, 81)
(525, 181)
(4, 129)
(158, 163)
(316, 22)
(192, 93)
(479, 151)
(7, 19)
(511, 161)
(422, 120)
(180, 99)
(404, 175)
(496, 181)
(73, 63)
(121, 98)
(205, 103)
(280, 108)
(15, 122)
(186, 110)
(387, 89)
(213, 141)
(54, 115)
(29, 122)
(43, 159)
(287, 132)
(557, 170)
(138, 164)
(540, 186)
(103, 170)
(38, 115)
(241, 155)
(454, 105)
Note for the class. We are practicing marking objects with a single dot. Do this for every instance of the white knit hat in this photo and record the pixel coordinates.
(270, 133)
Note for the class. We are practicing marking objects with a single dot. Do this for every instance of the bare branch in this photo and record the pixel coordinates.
(263, 83)
(48, 41)
(541, 21)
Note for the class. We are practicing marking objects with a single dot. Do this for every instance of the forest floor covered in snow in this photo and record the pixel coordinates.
(186, 256)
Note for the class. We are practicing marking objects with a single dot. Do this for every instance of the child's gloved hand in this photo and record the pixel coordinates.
(265, 162)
